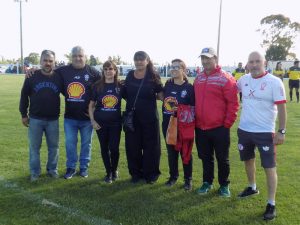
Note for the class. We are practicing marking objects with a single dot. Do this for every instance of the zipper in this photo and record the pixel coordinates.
(202, 104)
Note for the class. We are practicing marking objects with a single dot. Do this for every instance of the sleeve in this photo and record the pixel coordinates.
(94, 95)
(158, 86)
(192, 95)
(232, 105)
(278, 92)
(24, 99)
(233, 73)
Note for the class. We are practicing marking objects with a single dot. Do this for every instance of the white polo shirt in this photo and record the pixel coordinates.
(260, 98)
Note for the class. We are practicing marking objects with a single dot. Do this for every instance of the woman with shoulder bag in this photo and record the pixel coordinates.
(142, 143)
(105, 114)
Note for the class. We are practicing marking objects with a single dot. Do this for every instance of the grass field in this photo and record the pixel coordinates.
(91, 201)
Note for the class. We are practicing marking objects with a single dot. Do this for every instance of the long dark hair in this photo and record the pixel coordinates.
(99, 84)
(277, 65)
(150, 67)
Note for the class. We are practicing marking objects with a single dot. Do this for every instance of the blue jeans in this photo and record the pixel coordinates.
(71, 137)
(35, 133)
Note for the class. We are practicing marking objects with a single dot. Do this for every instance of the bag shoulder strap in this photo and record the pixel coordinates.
(138, 92)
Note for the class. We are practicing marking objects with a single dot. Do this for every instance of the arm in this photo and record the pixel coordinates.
(24, 102)
(279, 138)
(232, 104)
(95, 125)
(160, 96)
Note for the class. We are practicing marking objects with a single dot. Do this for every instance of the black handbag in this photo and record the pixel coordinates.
(128, 115)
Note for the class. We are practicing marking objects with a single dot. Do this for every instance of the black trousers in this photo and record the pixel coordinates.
(143, 150)
(109, 139)
(214, 141)
(173, 156)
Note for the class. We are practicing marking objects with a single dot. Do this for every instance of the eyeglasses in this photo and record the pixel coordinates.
(110, 68)
(175, 68)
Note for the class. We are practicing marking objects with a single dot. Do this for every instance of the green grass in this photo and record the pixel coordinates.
(90, 201)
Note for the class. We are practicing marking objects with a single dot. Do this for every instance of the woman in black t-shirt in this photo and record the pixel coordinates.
(105, 114)
(177, 90)
(143, 145)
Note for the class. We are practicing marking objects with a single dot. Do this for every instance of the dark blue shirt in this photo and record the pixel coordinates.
(77, 90)
(108, 105)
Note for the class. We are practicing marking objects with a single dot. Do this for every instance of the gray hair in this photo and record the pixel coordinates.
(48, 53)
(77, 49)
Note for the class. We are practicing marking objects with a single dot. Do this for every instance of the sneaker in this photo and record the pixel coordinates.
(187, 185)
(204, 189)
(83, 173)
(248, 192)
(34, 177)
(270, 212)
(224, 191)
(108, 179)
(53, 174)
(115, 175)
(69, 173)
(171, 181)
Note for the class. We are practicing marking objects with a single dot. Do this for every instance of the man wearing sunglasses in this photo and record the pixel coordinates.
(216, 106)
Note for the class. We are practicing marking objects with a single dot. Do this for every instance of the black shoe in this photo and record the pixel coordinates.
(152, 179)
(134, 179)
(171, 182)
(115, 175)
(270, 212)
(248, 192)
(187, 185)
(69, 173)
(108, 179)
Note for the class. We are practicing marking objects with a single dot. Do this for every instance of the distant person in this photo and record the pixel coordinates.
(263, 97)
(279, 72)
(238, 73)
(198, 71)
(294, 76)
(142, 145)
(41, 93)
(216, 106)
(121, 70)
(105, 114)
(178, 91)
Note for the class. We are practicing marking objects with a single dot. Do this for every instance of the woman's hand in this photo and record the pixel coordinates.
(95, 125)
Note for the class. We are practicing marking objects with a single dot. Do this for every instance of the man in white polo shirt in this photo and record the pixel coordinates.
(263, 98)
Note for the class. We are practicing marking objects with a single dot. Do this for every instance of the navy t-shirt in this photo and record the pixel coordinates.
(175, 94)
(108, 104)
(145, 107)
(42, 92)
(77, 90)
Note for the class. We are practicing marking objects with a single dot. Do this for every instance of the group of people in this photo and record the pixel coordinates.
(204, 112)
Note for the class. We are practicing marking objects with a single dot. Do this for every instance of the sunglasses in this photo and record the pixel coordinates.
(110, 69)
(175, 68)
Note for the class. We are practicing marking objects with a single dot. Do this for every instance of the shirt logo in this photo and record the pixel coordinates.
(262, 86)
(75, 90)
(109, 101)
(251, 93)
(169, 103)
(183, 94)
(266, 148)
(86, 77)
(77, 77)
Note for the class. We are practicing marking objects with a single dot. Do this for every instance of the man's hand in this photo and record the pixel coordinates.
(30, 72)
(95, 125)
(25, 121)
(278, 139)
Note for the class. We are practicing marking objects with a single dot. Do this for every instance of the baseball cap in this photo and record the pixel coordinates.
(208, 52)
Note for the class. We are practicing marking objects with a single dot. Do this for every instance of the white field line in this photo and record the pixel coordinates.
(36, 198)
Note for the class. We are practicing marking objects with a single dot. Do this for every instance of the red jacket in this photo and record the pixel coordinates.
(216, 101)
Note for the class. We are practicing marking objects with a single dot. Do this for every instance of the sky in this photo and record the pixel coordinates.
(165, 29)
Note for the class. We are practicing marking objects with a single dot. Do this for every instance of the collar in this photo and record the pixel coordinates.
(261, 75)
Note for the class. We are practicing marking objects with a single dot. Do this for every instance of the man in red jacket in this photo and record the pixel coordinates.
(216, 106)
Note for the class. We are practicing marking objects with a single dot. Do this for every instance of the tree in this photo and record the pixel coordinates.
(117, 60)
(279, 33)
(94, 61)
(32, 58)
(68, 57)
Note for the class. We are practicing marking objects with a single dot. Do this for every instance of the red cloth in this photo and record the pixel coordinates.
(216, 99)
(186, 131)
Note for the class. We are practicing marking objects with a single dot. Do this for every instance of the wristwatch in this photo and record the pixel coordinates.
(282, 131)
